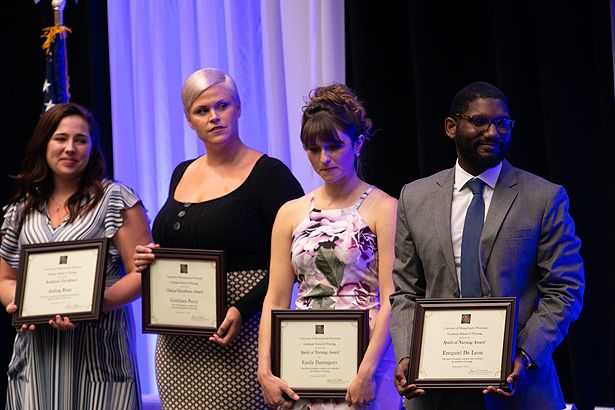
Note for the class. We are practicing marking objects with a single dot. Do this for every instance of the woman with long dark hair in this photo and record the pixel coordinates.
(63, 195)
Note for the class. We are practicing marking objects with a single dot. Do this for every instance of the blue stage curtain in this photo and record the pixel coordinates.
(276, 51)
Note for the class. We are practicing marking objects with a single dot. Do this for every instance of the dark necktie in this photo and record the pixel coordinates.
(472, 228)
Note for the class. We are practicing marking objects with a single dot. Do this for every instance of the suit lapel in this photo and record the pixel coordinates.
(442, 217)
(504, 195)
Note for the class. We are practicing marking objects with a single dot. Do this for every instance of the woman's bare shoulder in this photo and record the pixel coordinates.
(296, 206)
(378, 207)
(381, 201)
(292, 212)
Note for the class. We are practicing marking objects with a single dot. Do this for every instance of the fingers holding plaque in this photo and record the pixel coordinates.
(60, 278)
(463, 343)
(184, 292)
(318, 352)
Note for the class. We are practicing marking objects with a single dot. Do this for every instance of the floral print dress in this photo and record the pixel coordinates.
(335, 257)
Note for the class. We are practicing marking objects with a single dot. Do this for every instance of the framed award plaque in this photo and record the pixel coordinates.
(318, 352)
(184, 292)
(463, 343)
(60, 278)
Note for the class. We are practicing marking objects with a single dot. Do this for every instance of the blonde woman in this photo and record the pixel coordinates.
(226, 199)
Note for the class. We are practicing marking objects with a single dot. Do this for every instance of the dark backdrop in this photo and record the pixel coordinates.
(553, 60)
(22, 72)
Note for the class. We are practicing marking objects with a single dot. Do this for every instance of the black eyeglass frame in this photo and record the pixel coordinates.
(490, 120)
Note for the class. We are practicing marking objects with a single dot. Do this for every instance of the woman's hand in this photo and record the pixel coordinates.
(273, 389)
(229, 328)
(361, 391)
(143, 256)
(62, 323)
(57, 323)
(12, 308)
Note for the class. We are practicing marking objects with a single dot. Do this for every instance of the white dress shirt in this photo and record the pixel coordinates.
(462, 196)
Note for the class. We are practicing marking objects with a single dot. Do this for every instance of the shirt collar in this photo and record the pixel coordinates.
(489, 177)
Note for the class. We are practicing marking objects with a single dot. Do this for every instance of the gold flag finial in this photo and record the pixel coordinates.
(58, 11)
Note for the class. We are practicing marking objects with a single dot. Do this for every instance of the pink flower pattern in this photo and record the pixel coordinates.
(334, 255)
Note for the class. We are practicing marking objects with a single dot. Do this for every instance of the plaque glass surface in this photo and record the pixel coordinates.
(184, 292)
(463, 343)
(318, 352)
(60, 278)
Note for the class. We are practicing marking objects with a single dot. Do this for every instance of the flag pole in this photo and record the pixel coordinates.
(56, 85)
(58, 12)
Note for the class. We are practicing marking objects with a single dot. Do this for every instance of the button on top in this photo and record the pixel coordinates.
(176, 226)
(187, 204)
(181, 213)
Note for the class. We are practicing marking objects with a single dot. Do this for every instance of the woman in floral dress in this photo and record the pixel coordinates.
(340, 240)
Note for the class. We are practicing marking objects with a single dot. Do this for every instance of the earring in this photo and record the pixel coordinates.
(357, 153)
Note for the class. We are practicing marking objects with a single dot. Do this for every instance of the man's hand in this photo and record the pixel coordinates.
(514, 378)
(409, 391)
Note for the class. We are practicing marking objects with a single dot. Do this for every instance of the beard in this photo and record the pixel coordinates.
(468, 151)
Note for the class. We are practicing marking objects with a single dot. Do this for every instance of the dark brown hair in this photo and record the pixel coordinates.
(330, 108)
(35, 181)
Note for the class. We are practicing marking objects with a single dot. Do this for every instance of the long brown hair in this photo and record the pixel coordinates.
(35, 181)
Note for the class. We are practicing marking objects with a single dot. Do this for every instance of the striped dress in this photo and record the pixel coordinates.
(94, 365)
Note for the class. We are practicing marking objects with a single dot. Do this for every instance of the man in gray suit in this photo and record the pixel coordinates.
(525, 246)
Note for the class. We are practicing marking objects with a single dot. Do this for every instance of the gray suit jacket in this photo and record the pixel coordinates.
(528, 249)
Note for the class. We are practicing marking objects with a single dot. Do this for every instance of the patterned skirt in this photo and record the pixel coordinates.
(194, 373)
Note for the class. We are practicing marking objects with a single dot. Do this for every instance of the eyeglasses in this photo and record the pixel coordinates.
(481, 123)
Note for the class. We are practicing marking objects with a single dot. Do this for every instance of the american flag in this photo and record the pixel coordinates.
(55, 87)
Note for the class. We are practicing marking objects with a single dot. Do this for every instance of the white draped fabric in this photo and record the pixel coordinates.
(276, 50)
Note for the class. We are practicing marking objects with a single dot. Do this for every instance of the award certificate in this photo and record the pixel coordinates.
(184, 292)
(318, 352)
(465, 342)
(60, 278)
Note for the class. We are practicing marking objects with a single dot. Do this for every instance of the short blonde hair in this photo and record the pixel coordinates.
(201, 80)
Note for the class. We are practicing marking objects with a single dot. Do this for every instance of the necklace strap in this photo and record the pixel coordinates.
(58, 205)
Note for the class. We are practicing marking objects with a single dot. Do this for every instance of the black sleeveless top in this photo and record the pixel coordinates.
(239, 222)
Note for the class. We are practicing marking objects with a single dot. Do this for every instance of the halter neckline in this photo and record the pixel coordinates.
(356, 205)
